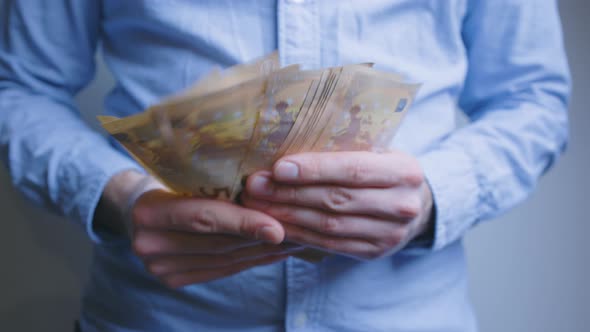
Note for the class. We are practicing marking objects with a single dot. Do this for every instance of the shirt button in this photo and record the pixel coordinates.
(300, 320)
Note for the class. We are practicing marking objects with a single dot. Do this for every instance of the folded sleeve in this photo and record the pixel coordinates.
(515, 95)
(46, 56)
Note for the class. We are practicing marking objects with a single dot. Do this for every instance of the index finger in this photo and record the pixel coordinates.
(355, 169)
(168, 211)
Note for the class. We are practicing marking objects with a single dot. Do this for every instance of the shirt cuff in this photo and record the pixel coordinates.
(456, 192)
(93, 171)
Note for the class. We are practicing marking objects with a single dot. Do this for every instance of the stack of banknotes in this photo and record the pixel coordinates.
(204, 141)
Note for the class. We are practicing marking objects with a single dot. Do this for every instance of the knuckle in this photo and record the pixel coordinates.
(140, 215)
(409, 207)
(357, 171)
(328, 243)
(392, 239)
(172, 220)
(247, 224)
(284, 214)
(288, 193)
(336, 198)
(204, 221)
(372, 252)
(413, 176)
(312, 169)
(329, 224)
(142, 248)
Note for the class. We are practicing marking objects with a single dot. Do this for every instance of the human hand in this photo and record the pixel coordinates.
(360, 204)
(185, 240)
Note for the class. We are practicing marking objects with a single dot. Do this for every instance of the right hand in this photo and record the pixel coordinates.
(187, 240)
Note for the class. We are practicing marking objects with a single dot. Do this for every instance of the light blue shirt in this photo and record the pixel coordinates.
(501, 62)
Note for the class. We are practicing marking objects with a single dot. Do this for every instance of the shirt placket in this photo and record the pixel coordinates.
(302, 305)
(299, 33)
(299, 43)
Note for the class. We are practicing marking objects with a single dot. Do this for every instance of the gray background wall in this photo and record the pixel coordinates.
(528, 269)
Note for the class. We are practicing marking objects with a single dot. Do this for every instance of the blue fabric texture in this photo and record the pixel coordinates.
(501, 62)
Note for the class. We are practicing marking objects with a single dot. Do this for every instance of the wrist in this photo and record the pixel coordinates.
(113, 208)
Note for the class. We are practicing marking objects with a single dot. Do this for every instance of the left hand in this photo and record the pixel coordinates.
(360, 204)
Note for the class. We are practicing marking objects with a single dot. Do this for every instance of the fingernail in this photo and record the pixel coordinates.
(267, 233)
(286, 170)
(260, 185)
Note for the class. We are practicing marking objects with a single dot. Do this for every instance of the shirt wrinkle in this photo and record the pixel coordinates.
(501, 61)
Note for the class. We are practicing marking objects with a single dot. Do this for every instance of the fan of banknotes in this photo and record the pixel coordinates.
(204, 141)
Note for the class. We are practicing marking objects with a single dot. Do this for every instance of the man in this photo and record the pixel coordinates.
(394, 221)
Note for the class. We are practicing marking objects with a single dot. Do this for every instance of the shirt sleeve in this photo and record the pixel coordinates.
(515, 95)
(47, 53)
